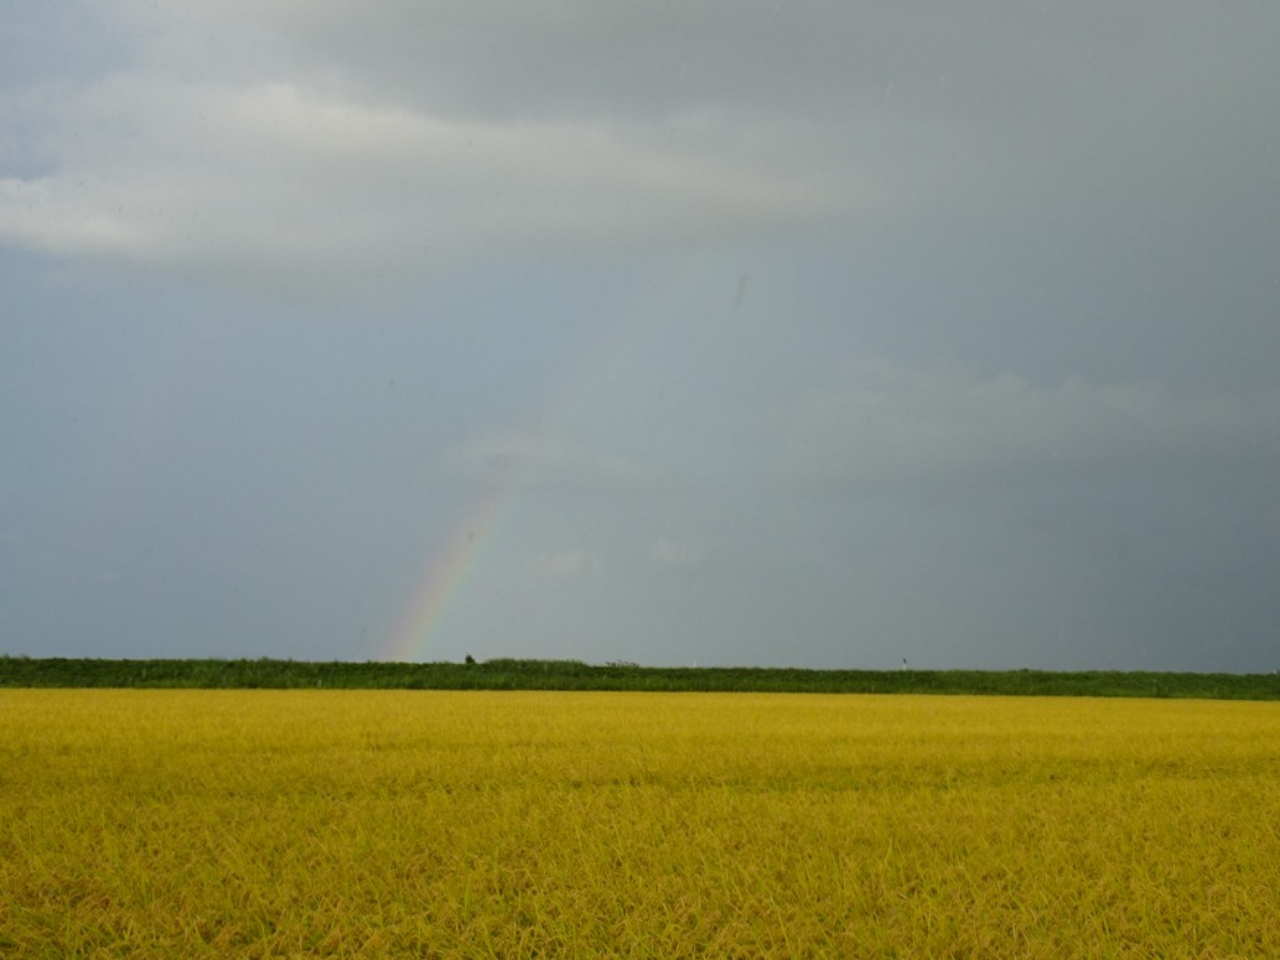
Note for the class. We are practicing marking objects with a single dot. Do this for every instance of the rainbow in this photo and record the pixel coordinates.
(452, 565)
(447, 571)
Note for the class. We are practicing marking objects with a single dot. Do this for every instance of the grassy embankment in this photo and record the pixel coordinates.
(507, 674)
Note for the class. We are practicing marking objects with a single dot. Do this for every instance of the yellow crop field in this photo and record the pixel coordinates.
(434, 824)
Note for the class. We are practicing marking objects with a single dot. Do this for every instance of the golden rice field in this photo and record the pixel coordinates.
(432, 824)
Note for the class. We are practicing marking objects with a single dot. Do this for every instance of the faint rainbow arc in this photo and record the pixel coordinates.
(452, 565)
(447, 571)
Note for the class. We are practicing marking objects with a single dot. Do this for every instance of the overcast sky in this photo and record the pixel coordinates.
(822, 334)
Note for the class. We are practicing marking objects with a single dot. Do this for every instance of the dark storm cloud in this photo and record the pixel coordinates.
(808, 332)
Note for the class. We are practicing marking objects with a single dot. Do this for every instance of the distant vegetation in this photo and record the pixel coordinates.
(507, 674)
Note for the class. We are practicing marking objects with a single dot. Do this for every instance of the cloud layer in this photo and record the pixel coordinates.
(309, 150)
(884, 422)
(518, 460)
(809, 332)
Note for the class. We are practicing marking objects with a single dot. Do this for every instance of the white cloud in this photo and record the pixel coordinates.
(672, 553)
(284, 186)
(563, 564)
(534, 459)
(885, 422)
(333, 146)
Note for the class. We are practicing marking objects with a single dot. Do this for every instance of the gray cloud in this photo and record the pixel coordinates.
(563, 564)
(303, 191)
(666, 552)
(884, 422)
(343, 146)
(529, 459)
(641, 236)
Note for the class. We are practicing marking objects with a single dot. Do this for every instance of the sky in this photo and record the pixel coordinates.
(813, 334)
